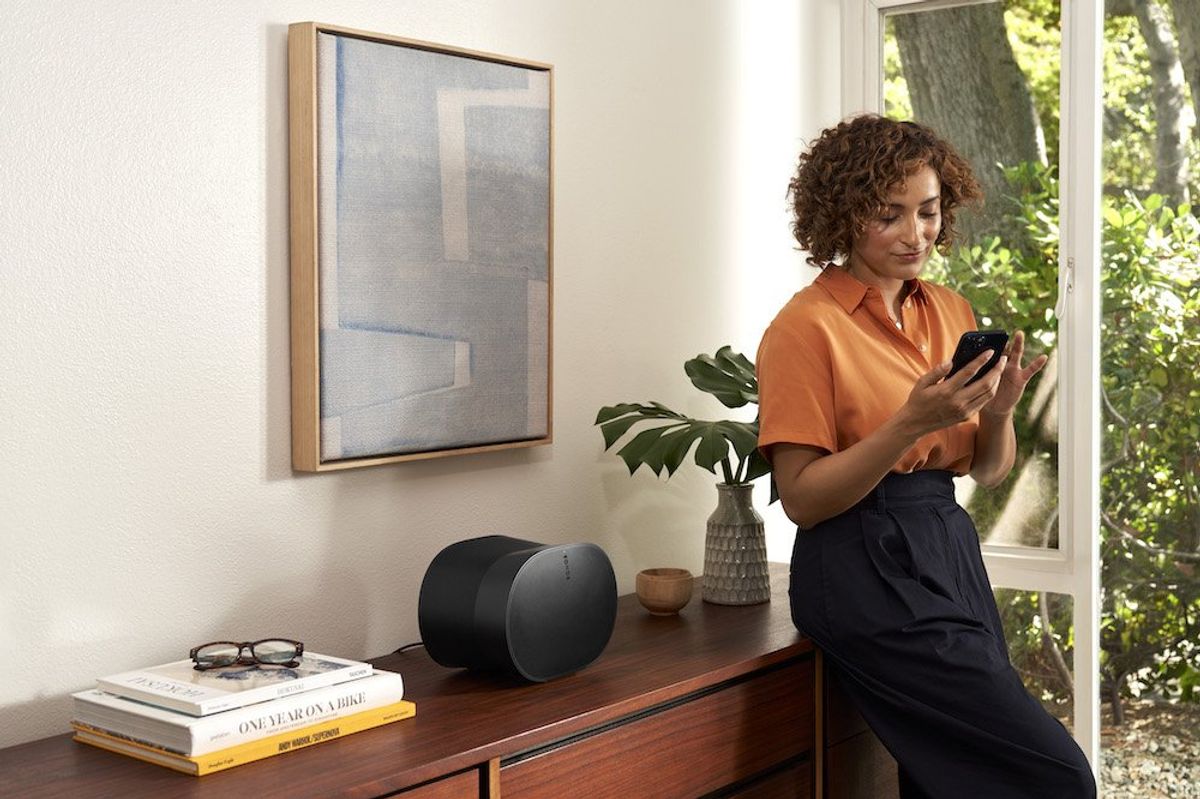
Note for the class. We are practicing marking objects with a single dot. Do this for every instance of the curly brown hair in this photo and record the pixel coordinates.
(844, 179)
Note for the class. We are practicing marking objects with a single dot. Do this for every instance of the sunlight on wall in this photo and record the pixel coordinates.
(784, 97)
(764, 265)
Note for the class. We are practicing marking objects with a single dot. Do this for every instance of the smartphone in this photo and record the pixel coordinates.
(974, 342)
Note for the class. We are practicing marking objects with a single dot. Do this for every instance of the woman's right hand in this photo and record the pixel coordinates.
(935, 403)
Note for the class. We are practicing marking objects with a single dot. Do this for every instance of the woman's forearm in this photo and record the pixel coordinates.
(815, 486)
(816, 490)
(995, 449)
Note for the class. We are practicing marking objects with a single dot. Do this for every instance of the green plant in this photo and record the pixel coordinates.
(1150, 398)
(728, 376)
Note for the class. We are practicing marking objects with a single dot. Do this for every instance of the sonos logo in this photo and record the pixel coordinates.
(566, 566)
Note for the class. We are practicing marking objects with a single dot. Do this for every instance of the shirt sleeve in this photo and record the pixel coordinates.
(795, 391)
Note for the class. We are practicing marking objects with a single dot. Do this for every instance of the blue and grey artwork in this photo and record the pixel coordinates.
(434, 181)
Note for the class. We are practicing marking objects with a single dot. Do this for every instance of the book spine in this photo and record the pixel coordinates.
(155, 698)
(293, 712)
(233, 727)
(222, 759)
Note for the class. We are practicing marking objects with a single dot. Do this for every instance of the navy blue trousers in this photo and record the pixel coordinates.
(895, 593)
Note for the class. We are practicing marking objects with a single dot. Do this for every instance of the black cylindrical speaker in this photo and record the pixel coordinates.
(502, 604)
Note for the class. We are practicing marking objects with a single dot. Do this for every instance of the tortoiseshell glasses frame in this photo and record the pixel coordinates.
(268, 651)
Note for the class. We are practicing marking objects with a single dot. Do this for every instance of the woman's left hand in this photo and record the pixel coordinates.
(1014, 378)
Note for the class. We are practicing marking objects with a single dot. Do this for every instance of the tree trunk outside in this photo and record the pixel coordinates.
(1173, 119)
(1187, 24)
(1065, 678)
(965, 83)
(1114, 699)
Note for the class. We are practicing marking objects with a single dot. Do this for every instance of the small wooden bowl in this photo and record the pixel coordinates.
(664, 591)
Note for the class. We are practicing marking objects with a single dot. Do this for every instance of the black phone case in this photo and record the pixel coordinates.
(975, 342)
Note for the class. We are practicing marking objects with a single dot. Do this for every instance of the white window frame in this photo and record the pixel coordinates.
(1074, 568)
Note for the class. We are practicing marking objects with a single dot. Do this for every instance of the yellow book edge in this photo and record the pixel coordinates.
(222, 759)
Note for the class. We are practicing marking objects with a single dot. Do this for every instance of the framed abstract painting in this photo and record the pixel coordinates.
(421, 249)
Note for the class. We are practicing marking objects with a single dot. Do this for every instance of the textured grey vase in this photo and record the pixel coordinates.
(735, 551)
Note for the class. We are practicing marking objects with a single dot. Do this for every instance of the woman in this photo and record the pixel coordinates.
(865, 431)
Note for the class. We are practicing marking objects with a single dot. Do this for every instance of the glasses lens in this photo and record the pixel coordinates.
(275, 651)
(216, 655)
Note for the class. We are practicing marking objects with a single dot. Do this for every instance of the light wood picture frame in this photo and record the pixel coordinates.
(421, 249)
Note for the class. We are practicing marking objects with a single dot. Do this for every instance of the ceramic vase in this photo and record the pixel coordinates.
(735, 550)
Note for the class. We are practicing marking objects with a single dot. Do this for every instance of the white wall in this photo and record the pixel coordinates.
(146, 497)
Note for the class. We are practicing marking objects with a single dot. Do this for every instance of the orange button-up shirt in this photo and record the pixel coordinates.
(833, 366)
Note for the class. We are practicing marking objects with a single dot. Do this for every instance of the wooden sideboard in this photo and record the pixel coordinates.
(717, 701)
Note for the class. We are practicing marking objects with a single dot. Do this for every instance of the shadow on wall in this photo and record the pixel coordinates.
(661, 525)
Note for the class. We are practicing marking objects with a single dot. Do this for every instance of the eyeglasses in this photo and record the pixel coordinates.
(269, 651)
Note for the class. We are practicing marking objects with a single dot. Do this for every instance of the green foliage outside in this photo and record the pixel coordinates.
(1129, 126)
(1150, 481)
(1150, 363)
(1035, 35)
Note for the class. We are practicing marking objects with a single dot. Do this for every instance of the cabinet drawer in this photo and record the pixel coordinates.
(788, 783)
(682, 750)
(459, 786)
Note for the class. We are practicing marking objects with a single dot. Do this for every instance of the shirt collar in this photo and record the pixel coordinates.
(849, 291)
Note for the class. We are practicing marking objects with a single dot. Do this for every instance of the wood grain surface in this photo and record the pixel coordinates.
(464, 720)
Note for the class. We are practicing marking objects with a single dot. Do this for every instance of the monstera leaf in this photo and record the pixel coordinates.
(728, 376)
(665, 444)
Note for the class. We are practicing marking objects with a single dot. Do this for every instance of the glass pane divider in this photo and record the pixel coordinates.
(1028, 558)
(1079, 379)
(899, 6)
(1019, 576)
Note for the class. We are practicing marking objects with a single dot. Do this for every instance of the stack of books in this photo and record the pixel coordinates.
(199, 722)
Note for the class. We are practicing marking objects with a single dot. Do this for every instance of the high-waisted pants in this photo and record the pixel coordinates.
(895, 593)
